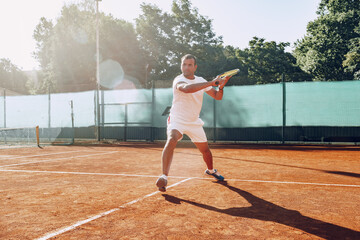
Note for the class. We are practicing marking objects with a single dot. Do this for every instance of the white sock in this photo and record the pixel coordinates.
(164, 176)
(211, 171)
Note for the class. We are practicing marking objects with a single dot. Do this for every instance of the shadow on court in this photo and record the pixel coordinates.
(348, 174)
(266, 211)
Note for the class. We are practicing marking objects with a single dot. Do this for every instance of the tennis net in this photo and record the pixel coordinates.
(19, 136)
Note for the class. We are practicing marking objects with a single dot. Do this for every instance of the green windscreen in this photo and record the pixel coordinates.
(307, 104)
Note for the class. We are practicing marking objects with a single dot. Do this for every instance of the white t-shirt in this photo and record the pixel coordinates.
(186, 107)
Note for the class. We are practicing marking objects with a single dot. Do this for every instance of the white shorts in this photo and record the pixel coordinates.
(195, 132)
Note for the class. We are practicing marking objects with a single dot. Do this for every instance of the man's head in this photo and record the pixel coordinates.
(188, 65)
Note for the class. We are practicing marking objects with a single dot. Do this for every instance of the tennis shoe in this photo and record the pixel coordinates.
(161, 184)
(215, 174)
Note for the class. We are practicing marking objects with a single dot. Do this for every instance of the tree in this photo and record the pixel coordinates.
(351, 63)
(12, 77)
(154, 30)
(66, 50)
(267, 61)
(329, 41)
(44, 37)
(166, 37)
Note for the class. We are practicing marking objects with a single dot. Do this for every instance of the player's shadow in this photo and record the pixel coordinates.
(263, 210)
(343, 173)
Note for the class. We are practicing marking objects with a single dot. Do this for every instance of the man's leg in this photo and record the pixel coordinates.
(168, 152)
(208, 159)
(207, 155)
(166, 158)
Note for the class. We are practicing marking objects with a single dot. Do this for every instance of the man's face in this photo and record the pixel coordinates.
(188, 67)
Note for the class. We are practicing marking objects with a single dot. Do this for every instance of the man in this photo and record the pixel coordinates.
(188, 91)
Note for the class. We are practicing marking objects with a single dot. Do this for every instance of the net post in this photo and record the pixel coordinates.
(283, 109)
(37, 136)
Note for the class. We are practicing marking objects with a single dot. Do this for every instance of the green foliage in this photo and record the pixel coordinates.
(155, 35)
(43, 37)
(329, 41)
(351, 63)
(67, 50)
(166, 37)
(11, 77)
(267, 61)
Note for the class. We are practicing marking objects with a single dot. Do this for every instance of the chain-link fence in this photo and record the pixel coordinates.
(305, 111)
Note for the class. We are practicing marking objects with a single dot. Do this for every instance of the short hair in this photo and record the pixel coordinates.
(189, 56)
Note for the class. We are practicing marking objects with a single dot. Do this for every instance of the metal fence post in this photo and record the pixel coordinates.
(4, 108)
(214, 127)
(283, 108)
(49, 112)
(97, 70)
(152, 129)
(126, 121)
(102, 114)
(95, 115)
(98, 114)
(5, 115)
(72, 122)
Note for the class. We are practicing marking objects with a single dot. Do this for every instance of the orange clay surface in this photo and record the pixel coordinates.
(109, 192)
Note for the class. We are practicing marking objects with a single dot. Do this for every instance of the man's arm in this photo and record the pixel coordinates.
(191, 88)
(217, 95)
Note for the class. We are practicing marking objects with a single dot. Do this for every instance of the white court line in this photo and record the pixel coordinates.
(83, 173)
(155, 176)
(40, 155)
(69, 228)
(57, 159)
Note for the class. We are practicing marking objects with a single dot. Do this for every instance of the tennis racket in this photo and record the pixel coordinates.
(228, 74)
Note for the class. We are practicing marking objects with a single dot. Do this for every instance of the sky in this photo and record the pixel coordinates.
(238, 21)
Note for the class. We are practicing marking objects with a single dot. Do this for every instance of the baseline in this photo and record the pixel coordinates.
(47, 154)
(57, 159)
(180, 177)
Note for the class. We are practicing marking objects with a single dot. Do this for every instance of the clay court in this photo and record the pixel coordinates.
(108, 192)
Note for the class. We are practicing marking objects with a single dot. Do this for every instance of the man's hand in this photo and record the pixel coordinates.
(217, 81)
(226, 79)
(220, 82)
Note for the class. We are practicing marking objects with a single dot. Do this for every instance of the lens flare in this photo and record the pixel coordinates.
(111, 74)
